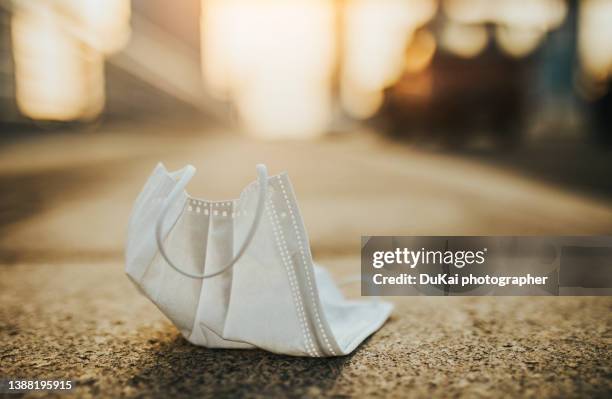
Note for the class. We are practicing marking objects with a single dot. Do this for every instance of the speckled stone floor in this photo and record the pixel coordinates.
(68, 311)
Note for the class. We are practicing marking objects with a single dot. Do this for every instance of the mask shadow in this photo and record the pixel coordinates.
(180, 368)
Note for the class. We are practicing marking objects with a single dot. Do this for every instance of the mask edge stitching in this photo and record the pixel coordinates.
(307, 269)
(282, 247)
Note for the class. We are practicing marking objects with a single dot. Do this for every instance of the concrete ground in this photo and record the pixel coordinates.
(68, 311)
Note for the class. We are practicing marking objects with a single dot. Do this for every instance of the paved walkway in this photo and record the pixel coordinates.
(68, 311)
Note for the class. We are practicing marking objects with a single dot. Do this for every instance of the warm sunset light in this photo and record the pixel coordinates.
(464, 40)
(595, 39)
(103, 24)
(54, 73)
(274, 59)
(518, 42)
(306, 199)
(519, 25)
(59, 53)
(543, 14)
(250, 49)
(376, 36)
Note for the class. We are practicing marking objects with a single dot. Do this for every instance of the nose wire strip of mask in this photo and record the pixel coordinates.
(262, 178)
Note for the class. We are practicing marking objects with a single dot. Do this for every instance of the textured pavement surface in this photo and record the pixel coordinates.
(68, 310)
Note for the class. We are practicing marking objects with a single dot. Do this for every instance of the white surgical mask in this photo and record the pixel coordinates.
(239, 273)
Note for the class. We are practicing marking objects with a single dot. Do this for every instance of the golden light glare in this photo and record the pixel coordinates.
(467, 11)
(93, 82)
(376, 35)
(215, 28)
(466, 41)
(59, 50)
(520, 25)
(543, 14)
(518, 42)
(103, 24)
(529, 14)
(420, 52)
(53, 78)
(595, 39)
(274, 59)
(360, 103)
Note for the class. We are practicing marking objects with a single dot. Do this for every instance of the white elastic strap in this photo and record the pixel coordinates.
(262, 178)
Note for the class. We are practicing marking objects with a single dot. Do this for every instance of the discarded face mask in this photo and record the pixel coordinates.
(239, 273)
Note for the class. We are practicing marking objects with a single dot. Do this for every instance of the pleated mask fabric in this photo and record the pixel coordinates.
(239, 273)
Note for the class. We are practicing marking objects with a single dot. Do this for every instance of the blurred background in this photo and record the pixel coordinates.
(458, 71)
(420, 108)
(392, 117)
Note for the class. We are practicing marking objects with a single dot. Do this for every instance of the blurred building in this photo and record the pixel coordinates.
(449, 70)
(505, 78)
(72, 63)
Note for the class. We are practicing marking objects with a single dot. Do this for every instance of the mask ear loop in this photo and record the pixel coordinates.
(262, 178)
